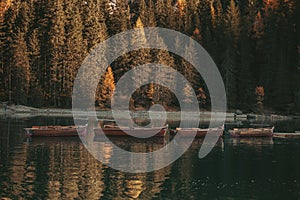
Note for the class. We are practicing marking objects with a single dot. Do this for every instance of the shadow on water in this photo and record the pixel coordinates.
(61, 168)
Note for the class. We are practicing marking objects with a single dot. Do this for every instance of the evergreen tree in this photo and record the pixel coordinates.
(163, 94)
(75, 48)
(57, 44)
(94, 30)
(254, 43)
(230, 61)
(140, 57)
(21, 69)
(245, 73)
(188, 93)
(36, 91)
(2, 60)
(119, 20)
(9, 31)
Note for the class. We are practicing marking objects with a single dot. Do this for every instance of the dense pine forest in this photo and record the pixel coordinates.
(255, 44)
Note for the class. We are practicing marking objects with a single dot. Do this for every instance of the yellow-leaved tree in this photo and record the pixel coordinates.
(105, 89)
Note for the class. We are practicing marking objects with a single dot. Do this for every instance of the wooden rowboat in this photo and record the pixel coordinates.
(252, 132)
(188, 132)
(55, 131)
(111, 130)
(286, 135)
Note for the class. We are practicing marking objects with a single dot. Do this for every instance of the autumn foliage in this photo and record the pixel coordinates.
(260, 93)
(252, 42)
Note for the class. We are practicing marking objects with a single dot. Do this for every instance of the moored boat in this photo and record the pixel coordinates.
(111, 130)
(188, 132)
(287, 135)
(252, 132)
(55, 131)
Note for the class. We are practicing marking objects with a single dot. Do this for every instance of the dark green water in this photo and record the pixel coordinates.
(61, 168)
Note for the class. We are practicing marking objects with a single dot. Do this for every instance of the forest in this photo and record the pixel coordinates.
(254, 43)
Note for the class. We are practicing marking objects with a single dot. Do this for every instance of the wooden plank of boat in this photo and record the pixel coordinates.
(252, 132)
(251, 141)
(286, 135)
(188, 132)
(111, 130)
(261, 125)
(55, 131)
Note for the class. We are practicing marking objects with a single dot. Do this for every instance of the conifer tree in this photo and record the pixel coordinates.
(2, 59)
(94, 30)
(21, 69)
(36, 91)
(188, 93)
(163, 94)
(14, 50)
(140, 57)
(245, 72)
(57, 44)
(75, 47)
(230, 61)
(151, 15)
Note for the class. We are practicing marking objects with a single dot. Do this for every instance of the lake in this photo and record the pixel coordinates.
(61, 168)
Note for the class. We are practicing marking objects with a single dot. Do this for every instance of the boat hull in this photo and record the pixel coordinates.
(252, 132)
(137, 132)
(286, 135)
(190, 132)
(55, 131)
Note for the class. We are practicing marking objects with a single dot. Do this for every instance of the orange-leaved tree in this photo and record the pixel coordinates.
(260, 93)
(105, 89)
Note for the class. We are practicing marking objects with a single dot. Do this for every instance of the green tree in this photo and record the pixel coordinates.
(36, 92)
(75, 49)
(94, 30)
(163, 94)
(57, 45)
(20, 68)
(230, 61)
(140, 57)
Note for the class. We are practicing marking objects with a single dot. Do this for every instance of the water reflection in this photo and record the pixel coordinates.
(61, 168)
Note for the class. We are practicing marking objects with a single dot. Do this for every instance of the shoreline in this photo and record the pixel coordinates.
(19, 111)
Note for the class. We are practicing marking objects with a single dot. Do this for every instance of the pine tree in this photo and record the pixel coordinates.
(21, 68)
(15, 54)
(36, 92)
(94, 30)
(151, 92)
(245, 72)
(268, 42)
(2, 60)
(165, 14)
(163, 94)
(119, 20)
(140, 57)
(286, 53)
(230, 61)
(57, 45)
(75, 48)
(188, 93)
(142, 12)
(43, 14)
(151, 15)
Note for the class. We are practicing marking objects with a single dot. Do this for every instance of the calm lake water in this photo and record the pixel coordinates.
(61, 168)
